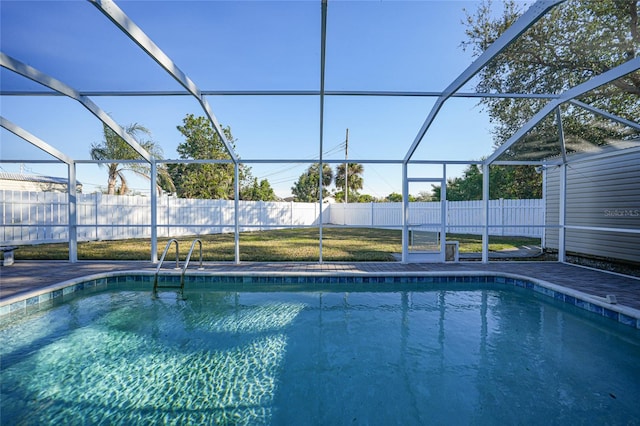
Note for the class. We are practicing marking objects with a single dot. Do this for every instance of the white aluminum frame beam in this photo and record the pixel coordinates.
(39, 77)
(72, 191)
(606, 114)
(34, 140)
(139, 37)
(485, 212)
(363, 93)
(530, 17)
(323, 52)
(566, 96)
(563, 148)
(71, 174)
(135, 33)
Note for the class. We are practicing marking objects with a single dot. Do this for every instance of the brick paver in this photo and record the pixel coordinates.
(26, 276)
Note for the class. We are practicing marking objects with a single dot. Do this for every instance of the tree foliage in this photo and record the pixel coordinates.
(113, 147)
(510, 182)
(395, 197)
(258, 191)
(572, 43)
(212, 180)
(307, 187)
(366, 198)
(203, 180)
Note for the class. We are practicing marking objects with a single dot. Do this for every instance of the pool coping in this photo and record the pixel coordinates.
(598, 305)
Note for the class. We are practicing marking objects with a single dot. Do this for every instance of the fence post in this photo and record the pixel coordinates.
(98, 204)
(501, 204)
(262, 216)
(372, 219)
(543, 206)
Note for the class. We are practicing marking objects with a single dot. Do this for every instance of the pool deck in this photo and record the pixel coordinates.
(24, 277)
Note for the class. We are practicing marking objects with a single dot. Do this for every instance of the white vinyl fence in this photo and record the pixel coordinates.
(523, 218)
(38, 217)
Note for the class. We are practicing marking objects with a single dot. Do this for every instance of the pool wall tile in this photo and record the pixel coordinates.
(595, 308)
(143, 282)
(17, 306)
(627, 320)
(610, 314)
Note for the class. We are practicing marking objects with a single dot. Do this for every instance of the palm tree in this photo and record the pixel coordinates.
(113, 147)
(354, 178)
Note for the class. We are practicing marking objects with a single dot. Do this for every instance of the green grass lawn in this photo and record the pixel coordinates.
(293, 245)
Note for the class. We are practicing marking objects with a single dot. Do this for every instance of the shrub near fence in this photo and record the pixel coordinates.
(38, 217)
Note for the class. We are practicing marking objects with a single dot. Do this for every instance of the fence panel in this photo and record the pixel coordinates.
(33, 216)
(424, 213)
(385, 214)
(465, 217)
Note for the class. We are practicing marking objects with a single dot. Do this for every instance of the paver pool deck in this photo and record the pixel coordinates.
(24, 277)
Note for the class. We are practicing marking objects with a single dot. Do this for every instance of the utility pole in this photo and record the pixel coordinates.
(346, 168)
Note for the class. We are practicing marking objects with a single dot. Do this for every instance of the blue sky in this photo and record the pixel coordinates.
(243, 45)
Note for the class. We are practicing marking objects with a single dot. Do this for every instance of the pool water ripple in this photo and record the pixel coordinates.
(414, 357)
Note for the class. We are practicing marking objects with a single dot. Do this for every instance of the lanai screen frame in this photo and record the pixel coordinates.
(137, 35)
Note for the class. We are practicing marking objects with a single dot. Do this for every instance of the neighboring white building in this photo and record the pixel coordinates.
(603, 192)
(34, 183)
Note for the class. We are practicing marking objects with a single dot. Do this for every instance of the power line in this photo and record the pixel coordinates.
(332, 150)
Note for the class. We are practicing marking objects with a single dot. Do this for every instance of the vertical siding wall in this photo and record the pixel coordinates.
(36, 217)
(603, 191)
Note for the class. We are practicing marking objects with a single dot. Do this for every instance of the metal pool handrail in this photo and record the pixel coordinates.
(186, 263)
(184, 267)
(164, 254)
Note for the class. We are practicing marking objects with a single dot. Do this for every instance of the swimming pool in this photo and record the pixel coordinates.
(392, 353)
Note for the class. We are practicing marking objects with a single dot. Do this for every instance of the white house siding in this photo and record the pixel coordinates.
(602, 191)
(36, 183)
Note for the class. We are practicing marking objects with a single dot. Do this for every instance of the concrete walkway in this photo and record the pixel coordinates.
(26, 276)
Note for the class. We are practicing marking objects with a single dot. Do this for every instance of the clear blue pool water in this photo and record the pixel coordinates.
(440, 356)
